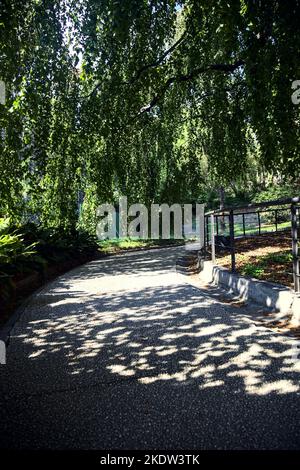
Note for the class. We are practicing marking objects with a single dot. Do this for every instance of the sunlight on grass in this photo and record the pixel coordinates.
(121, 244)
(252, 230)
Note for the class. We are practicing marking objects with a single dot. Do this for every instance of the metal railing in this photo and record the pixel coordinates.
(286, 217)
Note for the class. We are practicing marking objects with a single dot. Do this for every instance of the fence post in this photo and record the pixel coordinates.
(231, 231)
(295, 246)
(205, 245)
(207, 231)
(276, 220)
(212, 234)
(259, 227)
(244, 227)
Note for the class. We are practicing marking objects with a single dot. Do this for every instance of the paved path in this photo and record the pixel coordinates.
(125, 353)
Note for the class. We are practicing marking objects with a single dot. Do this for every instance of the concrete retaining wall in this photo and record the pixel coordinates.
(274, 296)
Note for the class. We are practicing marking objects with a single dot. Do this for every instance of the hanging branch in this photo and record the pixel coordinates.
(227, 68)
(146, 67)
(158, 61)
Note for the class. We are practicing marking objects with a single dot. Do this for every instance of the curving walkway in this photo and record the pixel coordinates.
(126, 353)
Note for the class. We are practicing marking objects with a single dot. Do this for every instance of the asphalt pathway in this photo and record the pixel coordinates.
(126, 353)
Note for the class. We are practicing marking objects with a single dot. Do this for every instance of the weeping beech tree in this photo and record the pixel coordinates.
(148, 98)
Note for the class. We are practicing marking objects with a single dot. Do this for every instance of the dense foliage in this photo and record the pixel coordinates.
(160, 100)
(31, 249)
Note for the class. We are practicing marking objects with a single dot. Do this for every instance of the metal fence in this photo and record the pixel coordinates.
(224, 226)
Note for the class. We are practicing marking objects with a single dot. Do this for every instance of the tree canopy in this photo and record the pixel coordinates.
(153, 99)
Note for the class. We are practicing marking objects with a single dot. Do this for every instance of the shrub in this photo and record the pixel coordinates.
(30, 247)
(12, 246)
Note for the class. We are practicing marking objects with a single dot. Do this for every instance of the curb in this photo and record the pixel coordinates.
(273, 296)
(6, 329)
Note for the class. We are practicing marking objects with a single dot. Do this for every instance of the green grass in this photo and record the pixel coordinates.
(265, 228)
(265, 263)
(252, 270)
(120, 244)
(283, 257)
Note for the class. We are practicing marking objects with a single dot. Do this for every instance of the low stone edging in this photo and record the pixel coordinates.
(276, 297)
(20, 290)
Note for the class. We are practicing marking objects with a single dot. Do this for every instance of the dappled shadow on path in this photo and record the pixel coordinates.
(155, 335)
(80, 344)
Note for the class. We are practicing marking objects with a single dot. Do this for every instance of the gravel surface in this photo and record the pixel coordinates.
(126, 353)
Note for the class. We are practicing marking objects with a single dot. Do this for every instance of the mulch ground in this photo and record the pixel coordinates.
(252, 250)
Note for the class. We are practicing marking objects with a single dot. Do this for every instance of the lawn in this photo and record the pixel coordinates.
(253, 229)
(117, 245)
